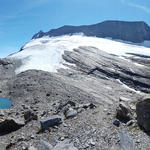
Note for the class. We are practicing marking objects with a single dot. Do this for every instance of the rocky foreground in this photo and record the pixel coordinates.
(97, 103)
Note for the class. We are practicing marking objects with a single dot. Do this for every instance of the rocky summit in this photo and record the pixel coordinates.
(128, 31)
(77, 92)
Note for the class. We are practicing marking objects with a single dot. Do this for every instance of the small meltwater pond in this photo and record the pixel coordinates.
(5, 103)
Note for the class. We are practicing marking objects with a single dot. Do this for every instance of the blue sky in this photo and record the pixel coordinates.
(21, 19)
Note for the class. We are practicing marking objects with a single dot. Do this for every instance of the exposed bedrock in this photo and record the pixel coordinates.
(93, 61)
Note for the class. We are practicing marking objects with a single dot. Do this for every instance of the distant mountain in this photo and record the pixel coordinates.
(128, 31)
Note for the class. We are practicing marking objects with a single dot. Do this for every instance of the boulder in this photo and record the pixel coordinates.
(10, 125)
(66, 106)
(71, 113)
(143, 112)
(123, 112)
(116, 123)
(131, 122)
(50, 122)
(88, 105)
(124, 99)
(30, 115)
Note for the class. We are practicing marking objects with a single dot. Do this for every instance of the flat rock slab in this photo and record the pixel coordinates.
(126, 142)
(45, 146)
(50, 122)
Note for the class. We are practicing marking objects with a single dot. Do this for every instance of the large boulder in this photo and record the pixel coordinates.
(143, 112)
(10, 125)
(123, 112)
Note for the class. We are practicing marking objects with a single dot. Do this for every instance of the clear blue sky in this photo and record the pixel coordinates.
(21, 19)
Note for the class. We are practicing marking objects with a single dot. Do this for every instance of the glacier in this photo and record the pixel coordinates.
(46, 53)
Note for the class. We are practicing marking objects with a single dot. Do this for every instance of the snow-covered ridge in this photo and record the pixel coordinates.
(46, 53)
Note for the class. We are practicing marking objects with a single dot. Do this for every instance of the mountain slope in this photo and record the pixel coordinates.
(128, 31)
(92, 77)
(86, 81)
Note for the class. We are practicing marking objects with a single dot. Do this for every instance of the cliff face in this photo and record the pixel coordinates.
(128, 31)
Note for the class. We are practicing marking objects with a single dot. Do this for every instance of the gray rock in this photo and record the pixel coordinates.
(85, 106)
(45, 146)
(124, 99)
(133, 107)
(91, 142)
(50, 122)
(143, 112)
(116, 123)
(66, 106)
(131, 122)
(80, 110)
(70, 113)
(123, 112)
(89, 105)
(5, 62)
(65, 145)
(126, 142)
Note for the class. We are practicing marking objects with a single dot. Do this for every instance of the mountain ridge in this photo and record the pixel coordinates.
(137, 31)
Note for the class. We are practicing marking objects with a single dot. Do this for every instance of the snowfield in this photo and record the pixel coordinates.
(46, 53)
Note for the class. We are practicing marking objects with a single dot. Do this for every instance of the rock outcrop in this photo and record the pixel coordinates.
(123, 112)
(104, 65)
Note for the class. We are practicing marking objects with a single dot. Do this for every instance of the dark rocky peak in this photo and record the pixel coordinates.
(128, 31)
(38, 35)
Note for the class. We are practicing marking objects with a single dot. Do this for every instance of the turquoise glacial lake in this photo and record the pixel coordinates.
(5, 103)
